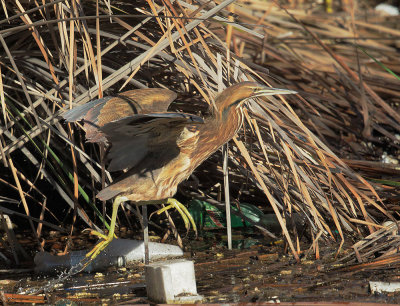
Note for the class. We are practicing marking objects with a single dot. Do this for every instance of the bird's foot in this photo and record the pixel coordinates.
(186, 216)
(106, 239)
(98, 234)
(94, 233)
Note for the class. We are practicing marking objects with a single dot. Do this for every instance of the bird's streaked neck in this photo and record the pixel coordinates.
(228, 117)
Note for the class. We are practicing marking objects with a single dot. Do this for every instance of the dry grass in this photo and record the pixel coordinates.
(313, 153)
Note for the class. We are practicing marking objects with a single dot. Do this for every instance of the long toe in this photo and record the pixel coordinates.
(98, 234)
(186, 216)
(105, 241)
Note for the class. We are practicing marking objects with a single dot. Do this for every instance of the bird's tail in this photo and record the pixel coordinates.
(107, 193)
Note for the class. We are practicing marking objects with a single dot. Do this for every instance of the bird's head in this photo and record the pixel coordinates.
(234, 96)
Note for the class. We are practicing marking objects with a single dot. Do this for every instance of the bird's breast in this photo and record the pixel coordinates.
(172, 174)
(214, 134)
(196, 145)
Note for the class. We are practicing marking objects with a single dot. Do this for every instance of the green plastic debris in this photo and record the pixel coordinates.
(208, 216)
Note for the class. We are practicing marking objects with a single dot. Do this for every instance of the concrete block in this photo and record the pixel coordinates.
(171, 282)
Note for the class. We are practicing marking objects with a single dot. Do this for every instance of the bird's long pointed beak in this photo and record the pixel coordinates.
(268, 91)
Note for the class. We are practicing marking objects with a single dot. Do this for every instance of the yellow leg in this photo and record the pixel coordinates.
(186, 216)
(328, 6)
(106, 239)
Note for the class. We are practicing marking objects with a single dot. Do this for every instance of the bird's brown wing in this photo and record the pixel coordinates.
(99, 112)
(156, 137)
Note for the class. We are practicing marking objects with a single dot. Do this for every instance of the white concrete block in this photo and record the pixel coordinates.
(171, 281)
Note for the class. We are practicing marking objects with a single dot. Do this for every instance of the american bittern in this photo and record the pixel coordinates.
(156, 148)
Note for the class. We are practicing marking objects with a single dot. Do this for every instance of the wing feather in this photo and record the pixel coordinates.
(138, 126)
(151, 136)
(99, 112)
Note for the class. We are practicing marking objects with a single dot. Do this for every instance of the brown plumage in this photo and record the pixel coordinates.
(159, 149)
